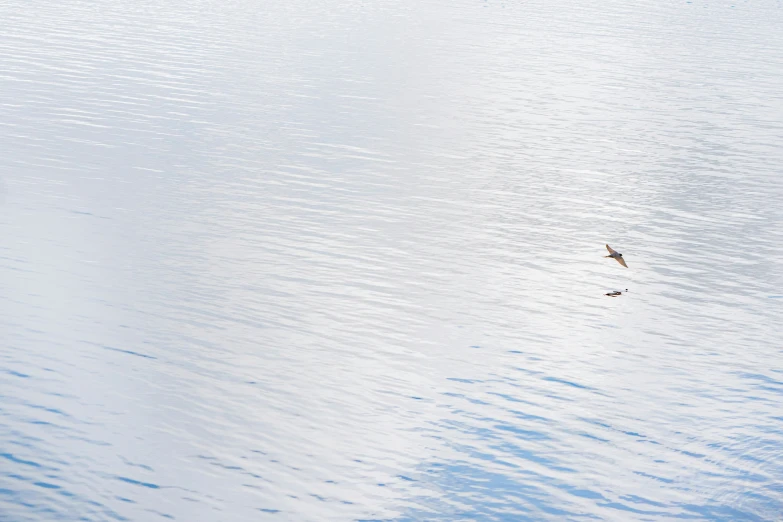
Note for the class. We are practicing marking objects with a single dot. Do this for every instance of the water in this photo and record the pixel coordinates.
(343, 261)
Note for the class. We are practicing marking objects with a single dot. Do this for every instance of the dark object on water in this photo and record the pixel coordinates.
(616, 293)
(616, 256)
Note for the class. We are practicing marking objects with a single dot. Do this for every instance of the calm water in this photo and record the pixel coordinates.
(342, 261)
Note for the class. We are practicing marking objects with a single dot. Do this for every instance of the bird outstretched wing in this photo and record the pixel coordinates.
(610, 249)
(621, 261)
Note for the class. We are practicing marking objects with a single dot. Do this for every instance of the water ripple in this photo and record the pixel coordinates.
(344, 262)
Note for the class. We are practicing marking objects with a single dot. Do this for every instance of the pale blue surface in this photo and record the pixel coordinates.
(333, 261)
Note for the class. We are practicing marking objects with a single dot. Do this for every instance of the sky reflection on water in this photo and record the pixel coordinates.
(344, 261)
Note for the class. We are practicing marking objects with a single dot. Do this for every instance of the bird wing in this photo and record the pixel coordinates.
(621, 261)
(609, 249)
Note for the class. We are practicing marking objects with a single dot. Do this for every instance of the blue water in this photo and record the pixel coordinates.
(344, 261)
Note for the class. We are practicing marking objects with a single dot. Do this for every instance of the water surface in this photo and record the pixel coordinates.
(343, 261)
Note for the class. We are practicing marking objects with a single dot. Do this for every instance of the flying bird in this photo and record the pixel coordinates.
(616, 293)
(616, 256)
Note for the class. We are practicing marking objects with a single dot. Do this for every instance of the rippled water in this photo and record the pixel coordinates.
(332, 261)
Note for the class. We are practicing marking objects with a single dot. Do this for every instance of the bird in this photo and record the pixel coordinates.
(616, 256)
(616, 293)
